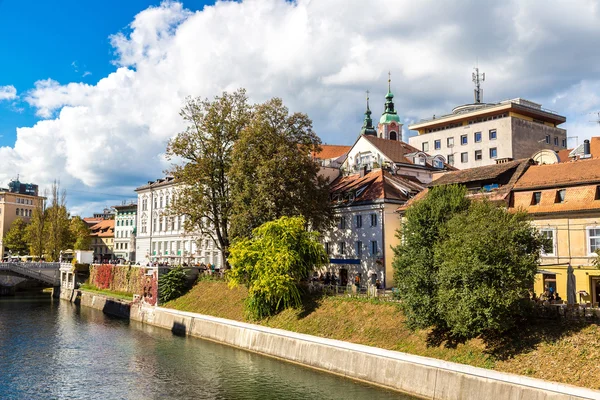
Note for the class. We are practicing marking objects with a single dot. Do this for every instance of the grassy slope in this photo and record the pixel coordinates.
(549, 351)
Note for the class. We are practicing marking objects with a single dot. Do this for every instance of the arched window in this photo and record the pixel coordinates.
(393, 135)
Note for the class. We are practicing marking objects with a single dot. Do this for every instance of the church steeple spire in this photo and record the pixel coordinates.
(367, 128)
(389, 124)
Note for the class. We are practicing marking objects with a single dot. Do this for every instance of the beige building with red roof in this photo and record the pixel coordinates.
(103, 236)
(564, 202)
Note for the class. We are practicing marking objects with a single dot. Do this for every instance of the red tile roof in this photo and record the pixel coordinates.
(563, 174)
(329, 151)
(563, 155)
(578, 198)
(105, 228)
(376, 185)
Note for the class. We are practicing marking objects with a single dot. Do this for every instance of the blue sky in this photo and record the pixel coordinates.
(62, 40)
(99, 84)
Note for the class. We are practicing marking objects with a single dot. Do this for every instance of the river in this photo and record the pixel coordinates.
(52, 349)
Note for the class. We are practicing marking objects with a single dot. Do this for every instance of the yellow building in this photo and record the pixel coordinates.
(103, 237)
(15, 205)
(564, 202)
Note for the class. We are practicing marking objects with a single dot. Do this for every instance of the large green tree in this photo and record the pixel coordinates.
(273, 174)
(487, 261)
(415, 270)
(57, 226)
(15, 239)
(80, 233)
(272, 262)
(464, 267)
(36, 230)
(205, 148)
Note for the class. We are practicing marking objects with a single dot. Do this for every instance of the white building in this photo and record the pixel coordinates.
(125, 231)
(160, 237)
(361, 242)
(480, 134)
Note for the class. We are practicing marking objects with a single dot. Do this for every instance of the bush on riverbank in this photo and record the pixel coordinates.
(547, 349)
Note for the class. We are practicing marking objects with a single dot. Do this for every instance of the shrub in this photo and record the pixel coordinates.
(172, 284)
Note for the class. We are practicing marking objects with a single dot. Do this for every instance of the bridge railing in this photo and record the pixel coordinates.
(38, 271)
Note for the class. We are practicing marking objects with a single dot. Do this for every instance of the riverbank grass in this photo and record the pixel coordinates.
(549, 350)
(118, 295)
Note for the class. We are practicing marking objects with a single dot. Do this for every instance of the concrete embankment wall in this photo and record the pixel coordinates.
(420, 376)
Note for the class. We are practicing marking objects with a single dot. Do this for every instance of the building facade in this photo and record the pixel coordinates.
(103, 236)
(564, 203)
(161, 237)
(480, 134)
(361, 242)
(16, 203)
(125, 231)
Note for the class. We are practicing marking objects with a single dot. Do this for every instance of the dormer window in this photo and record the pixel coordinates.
(560, 196)
(420, 160)
(536, 198)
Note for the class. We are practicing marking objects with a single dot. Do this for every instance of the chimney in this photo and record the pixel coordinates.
(586, 148)
(363, 171)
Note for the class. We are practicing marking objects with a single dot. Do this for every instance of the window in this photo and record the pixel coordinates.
(342, 247)
(437, 163)
(450, 142)
(160, 225)
(594, 240)
(342, 223)
(477, 137)
(547, 139)
(393, 135)
(564, 143)
(359, 246)
(493, 152)
(373, 219)
(359, 221)
(597, 197)
(478, 155)
(17, 210)
(451, 159)
(375, 250)
(437, 144)
(464, 140)
(155, 202)
(555, 141)
(464, 157)
(161, 202)
(493, 134)
(425, 146)
(535, 199)
(549, 247)
(560, 196)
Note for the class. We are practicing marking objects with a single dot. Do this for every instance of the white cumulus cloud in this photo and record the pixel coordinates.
(8, 92)
(319, 56)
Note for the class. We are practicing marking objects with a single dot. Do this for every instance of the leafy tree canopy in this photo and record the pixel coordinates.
(205, 148)
(273, 174)
(464, 268)
(487, 263)
(80, 233)
(415, 271)
(272, 262)
(15, 239)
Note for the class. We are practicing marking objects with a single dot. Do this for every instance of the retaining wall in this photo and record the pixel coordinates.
(420, 376)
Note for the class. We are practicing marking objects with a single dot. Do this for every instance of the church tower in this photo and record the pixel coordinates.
(368, 128)
(389, 124)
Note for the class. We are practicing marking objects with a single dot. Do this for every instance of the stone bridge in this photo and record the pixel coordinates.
(47, 273)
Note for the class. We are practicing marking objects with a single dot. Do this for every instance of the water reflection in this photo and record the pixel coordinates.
(53, 349)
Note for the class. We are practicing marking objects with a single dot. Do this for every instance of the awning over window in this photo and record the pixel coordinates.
(544, 272)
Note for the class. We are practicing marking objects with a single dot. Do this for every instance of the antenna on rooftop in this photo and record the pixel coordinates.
(597, 120)
(477, 79)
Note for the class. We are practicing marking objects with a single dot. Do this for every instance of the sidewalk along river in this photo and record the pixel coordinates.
(54, 349)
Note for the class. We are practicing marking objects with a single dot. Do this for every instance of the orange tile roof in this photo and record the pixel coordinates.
(563, 155)
(578, 198)
(329, 151)
(563, 174)
(376, 185)
(105, 228)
